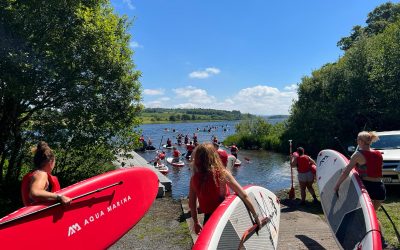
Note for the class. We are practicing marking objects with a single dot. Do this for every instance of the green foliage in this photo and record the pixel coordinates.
(255, 134)
(360, 91)
(152, 115)
(380, 18)
(66, 77)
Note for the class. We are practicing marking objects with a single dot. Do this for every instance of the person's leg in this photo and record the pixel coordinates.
(302, 191)
(311, 190)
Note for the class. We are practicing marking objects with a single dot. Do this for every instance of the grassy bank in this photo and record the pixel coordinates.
(391, 205)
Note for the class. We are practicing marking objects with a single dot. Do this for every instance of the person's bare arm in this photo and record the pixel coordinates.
(193, 209)
(38, 189)
(356, 158)
(312, 161)
(235, 186)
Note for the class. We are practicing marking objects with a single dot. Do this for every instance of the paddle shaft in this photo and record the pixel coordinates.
(290, 155)
(59, 203)
(159, 146)
(394, 226)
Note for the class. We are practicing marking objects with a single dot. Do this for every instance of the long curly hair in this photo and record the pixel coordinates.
(207, 161)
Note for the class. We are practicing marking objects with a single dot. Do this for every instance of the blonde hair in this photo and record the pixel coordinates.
(368, 137)
(207, 160)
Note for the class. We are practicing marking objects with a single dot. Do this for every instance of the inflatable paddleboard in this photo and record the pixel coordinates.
(233, 162)
(176, 164)
(351, 215)
(103, 209)
(162, 168)
(231, 225)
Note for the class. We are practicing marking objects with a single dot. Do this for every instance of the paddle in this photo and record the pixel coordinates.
(291, 192)
(159, 146)
(59, 203)
(394, 226)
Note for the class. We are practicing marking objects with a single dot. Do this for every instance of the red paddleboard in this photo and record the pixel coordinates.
(103, 209)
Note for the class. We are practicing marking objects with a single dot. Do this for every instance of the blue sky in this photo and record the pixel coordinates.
(235, 55)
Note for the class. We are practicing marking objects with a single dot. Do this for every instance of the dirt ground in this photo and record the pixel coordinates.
(163, 227)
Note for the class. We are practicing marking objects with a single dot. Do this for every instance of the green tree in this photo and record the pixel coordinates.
(67, 77)
(357, 92)
(377, 21)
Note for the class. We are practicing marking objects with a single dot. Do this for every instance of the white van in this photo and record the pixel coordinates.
(389, 145)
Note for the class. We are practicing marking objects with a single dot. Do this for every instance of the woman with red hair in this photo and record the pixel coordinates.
(210, 185)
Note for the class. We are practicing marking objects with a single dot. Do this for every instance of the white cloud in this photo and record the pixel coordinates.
(259, 99)
(194, 95)
(204, 73)
(262, 99)
(135, 44)
(129, 3)
(292, 87)
(153, 91)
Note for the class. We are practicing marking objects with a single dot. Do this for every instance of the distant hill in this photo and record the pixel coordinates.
(163, 115)
(276, 116)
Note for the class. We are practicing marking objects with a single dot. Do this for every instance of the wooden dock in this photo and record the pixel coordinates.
(133, 159)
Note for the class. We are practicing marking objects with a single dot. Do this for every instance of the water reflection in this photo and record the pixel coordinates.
(262, 168)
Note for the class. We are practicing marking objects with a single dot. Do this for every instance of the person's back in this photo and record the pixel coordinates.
(209, 185)
(211, 192)
(176, 155)
(39, 185)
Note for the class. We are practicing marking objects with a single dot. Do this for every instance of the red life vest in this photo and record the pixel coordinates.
(373, 165)
(54, 186)
(209, 194)
(303, 164)
(223, 155)
(161, 156)
(176, 153)
(190, 147)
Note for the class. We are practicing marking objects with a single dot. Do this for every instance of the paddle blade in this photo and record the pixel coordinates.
(291, 193)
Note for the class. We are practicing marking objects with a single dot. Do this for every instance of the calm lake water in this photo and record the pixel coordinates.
(267, 169)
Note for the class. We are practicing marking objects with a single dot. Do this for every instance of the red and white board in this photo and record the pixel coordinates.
(350, 214)
(180, 163)
(231, 226)
(103, 209)
(233, 162)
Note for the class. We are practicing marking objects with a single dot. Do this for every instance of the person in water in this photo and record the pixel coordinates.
(169, 143)
(210, 185)
(305, 176)
(234, 150)
(368, 164)
(189, 149)
(39, 185)
(176, 155)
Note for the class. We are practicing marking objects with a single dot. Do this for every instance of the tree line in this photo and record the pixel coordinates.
(150, 115)
(360, 91)
(66, 77)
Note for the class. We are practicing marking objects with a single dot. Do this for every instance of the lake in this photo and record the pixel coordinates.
(267, 169)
